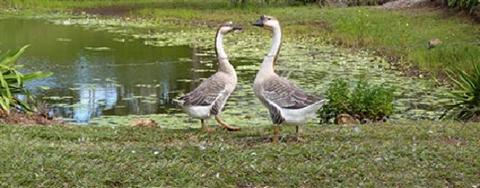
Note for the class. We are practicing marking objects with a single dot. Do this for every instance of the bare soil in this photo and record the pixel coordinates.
(28, 119)
(402, 4)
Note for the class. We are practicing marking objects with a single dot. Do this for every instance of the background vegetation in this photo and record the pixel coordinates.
(469, 5)
(398, 35)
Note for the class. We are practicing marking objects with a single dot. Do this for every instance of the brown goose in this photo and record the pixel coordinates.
(287, 103)
(211, 95)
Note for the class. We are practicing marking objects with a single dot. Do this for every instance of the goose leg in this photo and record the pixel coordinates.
(205, 126)
(276, 134)
(298, 135)
(225, 125)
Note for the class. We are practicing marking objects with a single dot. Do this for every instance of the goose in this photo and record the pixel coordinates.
(209, 98)
(286, 102)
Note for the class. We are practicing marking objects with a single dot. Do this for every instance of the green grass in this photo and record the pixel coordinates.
(423, 154)
(67, 4)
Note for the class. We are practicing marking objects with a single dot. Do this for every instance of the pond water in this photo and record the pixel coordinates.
(102, 70)
(98, 72)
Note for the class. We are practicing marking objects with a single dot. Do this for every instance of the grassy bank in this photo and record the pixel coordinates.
(399, 35)
(425, 154)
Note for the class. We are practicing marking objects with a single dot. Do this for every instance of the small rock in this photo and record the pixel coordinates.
(343, 119)
(356, 129)
(143, 122)
(433, 43)
(365, 121)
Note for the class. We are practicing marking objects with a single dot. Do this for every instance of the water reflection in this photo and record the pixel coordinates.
(125, 77)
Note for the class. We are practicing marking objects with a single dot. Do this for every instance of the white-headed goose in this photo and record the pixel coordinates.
(287, 103)
(209, 98)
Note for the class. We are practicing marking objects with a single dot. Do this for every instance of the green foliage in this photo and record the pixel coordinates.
(12, 82)
(364, 102)
(466, 93)
(463, 4)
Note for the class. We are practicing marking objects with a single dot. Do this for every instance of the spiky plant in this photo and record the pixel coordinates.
(466, 93)
(12, 82)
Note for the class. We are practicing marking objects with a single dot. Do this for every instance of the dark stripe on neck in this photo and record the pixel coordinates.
(216, 37)
(278, 52)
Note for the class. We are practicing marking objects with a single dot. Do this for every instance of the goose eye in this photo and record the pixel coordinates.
(268, 18)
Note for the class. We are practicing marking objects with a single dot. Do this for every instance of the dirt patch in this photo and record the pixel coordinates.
(454, 141)
(144, 122)
(28, 119)
(404, 4)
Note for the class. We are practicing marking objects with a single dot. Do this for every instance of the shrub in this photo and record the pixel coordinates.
(463, 4)
(365, 102)
(466, 93)
(12, 82)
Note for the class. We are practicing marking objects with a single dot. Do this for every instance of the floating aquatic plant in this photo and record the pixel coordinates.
(98, 49)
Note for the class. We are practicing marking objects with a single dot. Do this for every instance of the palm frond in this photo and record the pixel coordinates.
(12, 81)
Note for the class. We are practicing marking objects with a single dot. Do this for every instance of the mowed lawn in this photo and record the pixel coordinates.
(425, 154)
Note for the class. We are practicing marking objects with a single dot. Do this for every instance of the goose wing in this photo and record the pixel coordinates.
(286, 94)
(206, 93)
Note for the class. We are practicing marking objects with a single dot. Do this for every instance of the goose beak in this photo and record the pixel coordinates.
(237, 28)
(258, 23)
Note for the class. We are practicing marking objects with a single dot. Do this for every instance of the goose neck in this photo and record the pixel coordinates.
(219, 46)
(223, 63)
(276, 42)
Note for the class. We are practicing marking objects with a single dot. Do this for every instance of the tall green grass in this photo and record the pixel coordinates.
(65, 4)
(406, 33)
(190, 4)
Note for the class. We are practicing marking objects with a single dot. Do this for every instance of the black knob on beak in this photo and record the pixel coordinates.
(258, 23)
(237, 28)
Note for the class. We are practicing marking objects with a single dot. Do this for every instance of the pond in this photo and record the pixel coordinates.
(97, 72)
(102, 70)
